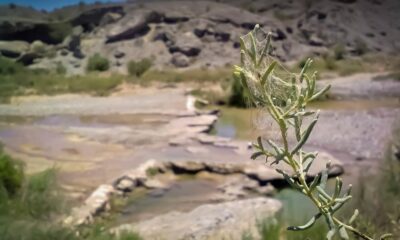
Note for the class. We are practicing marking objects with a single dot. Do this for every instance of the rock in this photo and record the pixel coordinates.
(38, 47)
(109, 18)
(212, 221)
(78, 54)
(119, 54)
(224, 168)
(156, 193)
(64, 52)
(315, 41)
(28, 58)
(96, 203)
(261, 172)
(180, 60)
(133, 27)
(187, 166)
(195, 150)
(187, 44)
(125, 184)
(154, 184)
(13, 49)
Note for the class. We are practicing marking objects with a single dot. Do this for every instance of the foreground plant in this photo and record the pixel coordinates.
(284, 96)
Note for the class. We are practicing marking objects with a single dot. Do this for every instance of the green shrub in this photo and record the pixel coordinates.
(97, 63)
(330, 63)
(60, 69)
(58, 31)
(360, 46)
(339, 51)
(8, 67)
(11, 175)
(92, 83)
(285, 97)
(138, 68)
(238, 96)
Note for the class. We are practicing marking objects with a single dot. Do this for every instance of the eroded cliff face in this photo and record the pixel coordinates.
(197, 33)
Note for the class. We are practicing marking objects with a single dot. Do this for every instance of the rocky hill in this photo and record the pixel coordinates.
(193, 34)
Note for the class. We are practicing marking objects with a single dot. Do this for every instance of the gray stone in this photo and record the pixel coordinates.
(13, 49)
(180, 60)
(119, 54)
(212, 221)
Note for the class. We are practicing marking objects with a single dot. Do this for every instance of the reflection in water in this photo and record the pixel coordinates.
(182, 196)
(246, 123)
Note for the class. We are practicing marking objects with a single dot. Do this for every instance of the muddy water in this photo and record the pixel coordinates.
(243, 123)
(184, 195)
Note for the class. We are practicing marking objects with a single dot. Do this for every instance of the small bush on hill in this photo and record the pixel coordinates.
(97, 63)
(58, 31)
(11, 175)
(8, 66)
(138, 68)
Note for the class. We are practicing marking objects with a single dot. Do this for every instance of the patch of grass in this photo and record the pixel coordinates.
(8, 66)
(152, 171)
(11, 175)
(93, 83)
(97, 63)
(33, 211)
(58, 31)
(377, 196)
(138, 68)
(191, 75)
(50, 83)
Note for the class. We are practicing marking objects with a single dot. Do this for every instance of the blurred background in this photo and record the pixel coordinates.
(138, 97)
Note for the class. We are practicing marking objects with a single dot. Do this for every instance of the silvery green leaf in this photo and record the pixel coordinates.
(343, 233)
(353, 218)
(320, 93)
(267, 73)
(309, 224)
(305, 136)
(255, 155)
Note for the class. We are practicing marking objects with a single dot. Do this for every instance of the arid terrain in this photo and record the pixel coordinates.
(135, 107)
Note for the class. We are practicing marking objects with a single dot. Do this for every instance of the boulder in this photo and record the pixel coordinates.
(133, 27)
(187, 44)
(119, 54)
(28, 58)
(187, 166)
(180, 60)
(227, 220)
(13, 49)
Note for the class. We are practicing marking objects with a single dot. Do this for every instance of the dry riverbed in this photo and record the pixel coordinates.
(98, 140)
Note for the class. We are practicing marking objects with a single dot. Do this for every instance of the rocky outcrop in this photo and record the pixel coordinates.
(257, 177)
(134, 27)
(13, 49)
(217, 221)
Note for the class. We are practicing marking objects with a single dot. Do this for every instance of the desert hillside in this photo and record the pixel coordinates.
(191, 34)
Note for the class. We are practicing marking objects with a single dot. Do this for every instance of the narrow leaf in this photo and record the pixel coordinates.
(305, 136)
(343, 233)
(309, 224)
(353, 218)
(320, 93)
(267, 73)
(255, 155)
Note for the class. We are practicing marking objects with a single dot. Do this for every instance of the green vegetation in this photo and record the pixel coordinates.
(8, 66)
(17, 80)
(97, 63)
(238, 96)
(137, 68)
(285, 98)
(58, 31)
(31, 208)
(192, 75)
(11, 175)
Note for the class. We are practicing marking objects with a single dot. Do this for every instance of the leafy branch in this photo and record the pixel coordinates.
(285, 99)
